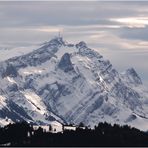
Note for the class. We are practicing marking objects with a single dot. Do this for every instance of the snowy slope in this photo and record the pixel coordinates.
(71, 84)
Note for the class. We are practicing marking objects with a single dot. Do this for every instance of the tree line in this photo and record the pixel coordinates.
(104, 134)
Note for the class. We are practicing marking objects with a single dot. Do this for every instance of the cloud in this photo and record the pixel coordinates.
(61, 13)
(132, 22)
(136, 33)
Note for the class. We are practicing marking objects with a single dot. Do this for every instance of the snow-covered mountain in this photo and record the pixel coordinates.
(70, 83)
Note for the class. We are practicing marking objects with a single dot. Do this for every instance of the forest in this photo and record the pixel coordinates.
(104, 134)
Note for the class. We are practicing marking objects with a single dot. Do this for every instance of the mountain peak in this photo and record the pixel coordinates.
(70, 83)
(133, 77)
(56, 41)
(81, 44)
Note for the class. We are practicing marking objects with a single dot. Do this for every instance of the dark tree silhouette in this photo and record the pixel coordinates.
(103, 134)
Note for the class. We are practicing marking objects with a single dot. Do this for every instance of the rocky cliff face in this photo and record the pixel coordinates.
(71, 84)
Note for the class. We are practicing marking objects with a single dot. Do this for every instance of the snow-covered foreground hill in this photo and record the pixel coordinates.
(71, 84)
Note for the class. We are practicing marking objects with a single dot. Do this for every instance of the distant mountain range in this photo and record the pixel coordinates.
(69, 83)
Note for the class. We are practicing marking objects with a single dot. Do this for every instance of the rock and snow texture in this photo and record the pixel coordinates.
(70, 84)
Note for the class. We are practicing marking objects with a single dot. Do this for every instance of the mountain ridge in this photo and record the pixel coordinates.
(70, 83)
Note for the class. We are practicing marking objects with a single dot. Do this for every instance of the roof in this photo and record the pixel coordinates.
(56, 123)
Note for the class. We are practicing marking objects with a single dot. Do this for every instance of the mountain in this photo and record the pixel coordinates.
(69, 83)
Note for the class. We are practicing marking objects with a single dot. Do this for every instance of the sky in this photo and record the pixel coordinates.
(117, 30)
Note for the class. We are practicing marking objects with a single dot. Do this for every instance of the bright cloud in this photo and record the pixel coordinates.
(132, 21)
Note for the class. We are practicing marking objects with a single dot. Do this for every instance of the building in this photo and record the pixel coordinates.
(56, 127)
(53, 127)
(44, 127)
(69, 128)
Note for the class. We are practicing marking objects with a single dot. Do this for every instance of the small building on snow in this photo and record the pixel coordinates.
(69, 128)
(55, 127)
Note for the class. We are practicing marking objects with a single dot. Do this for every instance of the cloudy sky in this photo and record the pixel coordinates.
(118, 30)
